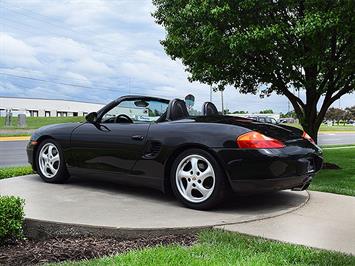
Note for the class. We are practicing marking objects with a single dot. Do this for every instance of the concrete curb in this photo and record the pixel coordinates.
(37, 229)
(19, 138)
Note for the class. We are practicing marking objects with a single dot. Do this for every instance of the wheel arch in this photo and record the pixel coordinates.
(179, 150)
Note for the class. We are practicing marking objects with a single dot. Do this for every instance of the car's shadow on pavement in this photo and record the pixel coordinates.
(234, 202)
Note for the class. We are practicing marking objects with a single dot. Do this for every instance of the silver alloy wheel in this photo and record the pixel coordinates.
(49, 160)
(195, 178)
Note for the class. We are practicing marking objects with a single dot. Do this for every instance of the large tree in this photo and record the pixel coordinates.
(265, 46)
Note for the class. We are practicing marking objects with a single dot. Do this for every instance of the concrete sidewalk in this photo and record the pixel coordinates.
(327, 221)
(94, 202)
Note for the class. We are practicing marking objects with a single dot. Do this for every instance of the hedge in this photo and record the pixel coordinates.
(11, 217)
(7, 172)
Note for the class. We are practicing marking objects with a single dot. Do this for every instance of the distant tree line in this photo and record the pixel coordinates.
(339, 115)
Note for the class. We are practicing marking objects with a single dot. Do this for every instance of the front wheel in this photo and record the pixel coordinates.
(50, 162)
(197, 180)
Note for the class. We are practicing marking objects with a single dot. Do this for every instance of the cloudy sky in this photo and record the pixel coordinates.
(93, 50)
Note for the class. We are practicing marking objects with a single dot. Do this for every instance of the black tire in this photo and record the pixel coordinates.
(220, 187)
(62, 173)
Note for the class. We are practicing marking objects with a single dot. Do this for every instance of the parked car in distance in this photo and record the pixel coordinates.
(264, 119)
(287, 120)
(154, 142)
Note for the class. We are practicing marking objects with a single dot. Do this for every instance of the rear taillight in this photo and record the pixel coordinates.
(307, 137)
(256, 140)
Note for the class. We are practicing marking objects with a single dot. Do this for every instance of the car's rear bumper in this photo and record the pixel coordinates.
(264, 185)
(254, 170)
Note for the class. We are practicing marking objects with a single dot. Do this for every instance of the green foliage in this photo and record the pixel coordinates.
(240, 112)
(11, 217)
(267, 111)
(350, 112)
(7, 172)
(290, 114)
(267, 46)
(216, 247)
(334, 114)
(340, 181)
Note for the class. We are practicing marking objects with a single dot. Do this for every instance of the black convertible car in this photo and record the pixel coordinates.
(156, 143)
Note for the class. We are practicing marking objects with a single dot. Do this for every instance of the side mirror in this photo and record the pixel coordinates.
(91, 117)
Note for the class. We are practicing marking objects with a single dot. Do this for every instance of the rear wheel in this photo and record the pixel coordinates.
(197, 180)
(50, 162)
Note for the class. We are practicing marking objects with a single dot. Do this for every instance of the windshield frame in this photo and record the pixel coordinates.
(116, 102)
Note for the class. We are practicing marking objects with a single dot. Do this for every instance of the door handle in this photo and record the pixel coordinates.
(137, 137)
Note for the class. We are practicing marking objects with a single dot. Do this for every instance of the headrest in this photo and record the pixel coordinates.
(177, 110)
(209, 109)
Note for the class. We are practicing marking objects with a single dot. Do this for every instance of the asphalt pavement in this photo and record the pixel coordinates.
(13, 153)
(336, 138)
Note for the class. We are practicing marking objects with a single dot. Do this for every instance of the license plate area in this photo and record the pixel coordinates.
(310, 165)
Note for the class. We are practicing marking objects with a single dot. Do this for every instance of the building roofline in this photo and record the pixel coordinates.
(33, 98)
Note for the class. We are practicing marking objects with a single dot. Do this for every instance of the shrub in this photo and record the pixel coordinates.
(7, 172)
(11, 217)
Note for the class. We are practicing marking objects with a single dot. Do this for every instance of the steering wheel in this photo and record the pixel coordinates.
(129, 120)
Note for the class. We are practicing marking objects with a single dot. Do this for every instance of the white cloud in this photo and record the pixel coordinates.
(59, 47)
(109, 46)
(90, 66)
(16, 53)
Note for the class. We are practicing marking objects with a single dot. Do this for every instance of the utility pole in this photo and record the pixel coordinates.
(222, 102)
(211, 93)
(129, 85)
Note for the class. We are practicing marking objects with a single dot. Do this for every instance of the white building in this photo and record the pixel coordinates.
(46, 107)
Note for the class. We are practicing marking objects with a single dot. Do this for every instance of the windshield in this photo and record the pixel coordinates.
(136, 111)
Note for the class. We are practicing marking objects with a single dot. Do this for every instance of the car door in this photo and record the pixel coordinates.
(114, 139)
(107, 147)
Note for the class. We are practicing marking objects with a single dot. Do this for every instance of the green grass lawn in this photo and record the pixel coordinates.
(326, 128)
(341, 181)
(37, 122)
(7, 172)
(216, 247)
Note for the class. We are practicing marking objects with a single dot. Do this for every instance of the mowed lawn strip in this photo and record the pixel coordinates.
(8, 172)
(326, 128)
(216, 247)
(37, 122)
(339, 181)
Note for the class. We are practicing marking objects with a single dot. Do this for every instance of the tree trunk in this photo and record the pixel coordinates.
(310, 125)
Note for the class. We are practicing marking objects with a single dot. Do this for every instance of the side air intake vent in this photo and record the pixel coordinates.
(152, 150)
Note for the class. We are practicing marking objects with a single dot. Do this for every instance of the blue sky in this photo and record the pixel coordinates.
(104, 49)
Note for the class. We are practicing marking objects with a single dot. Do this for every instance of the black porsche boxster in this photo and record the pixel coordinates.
(156, 143)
